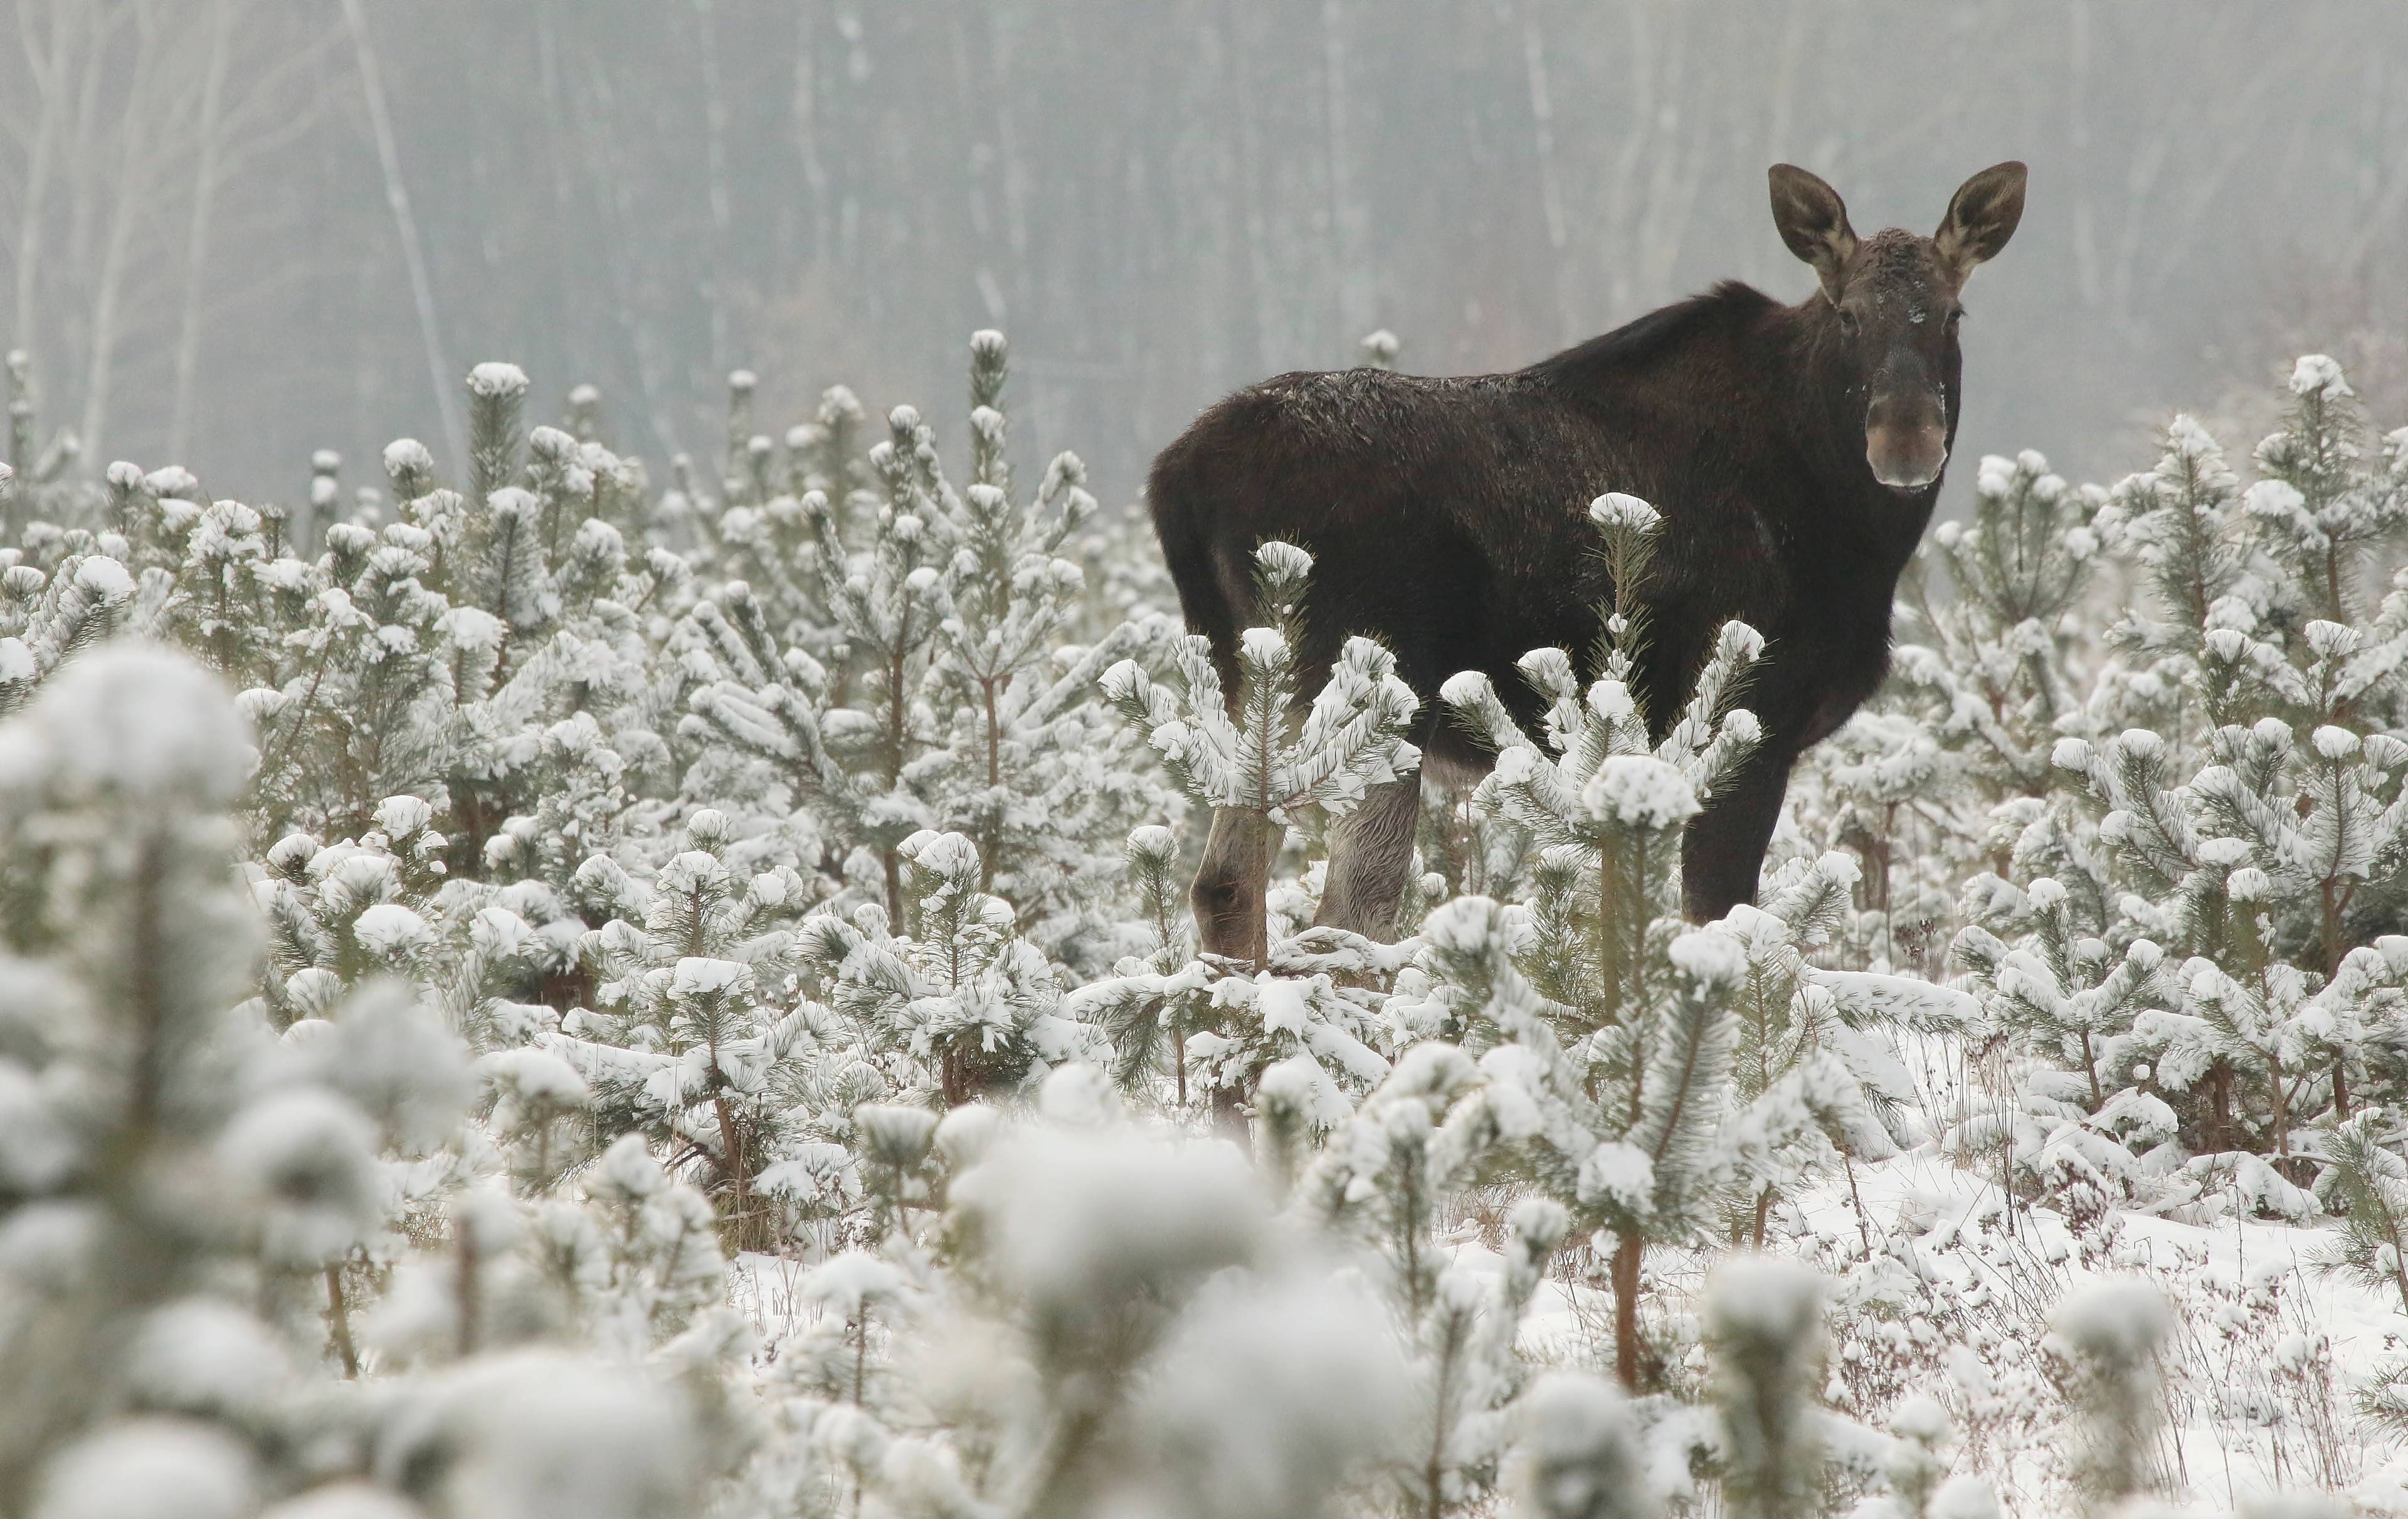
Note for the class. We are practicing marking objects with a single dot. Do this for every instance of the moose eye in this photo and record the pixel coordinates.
(1956, 319)
(1847, 322)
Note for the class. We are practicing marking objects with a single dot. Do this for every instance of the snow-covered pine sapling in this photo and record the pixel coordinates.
(1162, 1351)
(1633, 1126)
(497, 395)
(958, 1005)
(1921, 1436)
(1805, 1029)
(1764, 1330)
(47, 617)
(1257, 754)
(1014, 596)
(2324, 819)
(1883, 788)
(339, 914)
(2365, 1183)
(825, 454)
(1042, 780)
(538, 1112)
(897, 1150)
(2318, 509)
(213, 597)
(40, 487)
(169, 1173)
(1602, 804)
(581, 810)
(1989, 658)
(1152, 1002)
(2183, 523)
(887, 602)
(1392, 1167)
(2105, 1338)
(1579, 1453)
(693, 1025)
(2059, 996)
(364, 707)
(1385, 1180)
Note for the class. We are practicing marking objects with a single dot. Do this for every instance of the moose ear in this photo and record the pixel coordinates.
(1980, 218)
(1814, 222)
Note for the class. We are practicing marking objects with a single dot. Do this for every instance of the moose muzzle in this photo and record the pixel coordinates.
(1906, 428)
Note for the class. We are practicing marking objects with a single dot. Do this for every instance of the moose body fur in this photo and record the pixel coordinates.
(1449, 519)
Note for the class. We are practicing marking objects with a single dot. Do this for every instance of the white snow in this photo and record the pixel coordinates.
(132, 721)
(1615, 509)
(1640, 791)
(389, 928)
(494, 379)
(701, 976)
(146, 1468)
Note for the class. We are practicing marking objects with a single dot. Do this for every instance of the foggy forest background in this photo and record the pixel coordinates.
(239, 230)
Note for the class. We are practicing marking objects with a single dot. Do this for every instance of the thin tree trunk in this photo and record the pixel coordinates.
(50, 79)
(1269, 330)
(338, 1320)
(1551, 189)
(739, 1178)
(197, 235)
(467, 1289)
(1626, 1311)
(129, 187)
(397, 195)
(715, 121)
(1346, 219)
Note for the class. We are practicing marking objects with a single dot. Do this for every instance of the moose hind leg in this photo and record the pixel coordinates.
(1227, 897)
(1370, 855)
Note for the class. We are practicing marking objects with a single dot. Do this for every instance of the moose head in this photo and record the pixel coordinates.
(1890, 309)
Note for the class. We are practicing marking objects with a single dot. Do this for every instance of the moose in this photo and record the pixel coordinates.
(1795, 454)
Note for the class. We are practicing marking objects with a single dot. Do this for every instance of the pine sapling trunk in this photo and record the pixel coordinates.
(1625, 1310)
(2219, 1106)
(740, 1180)
(896, 709)
(1178, 1058)
(2335, 902)
(338, 1321)
(465, 1287)
(1864, 1230)
(990, 836)
(1441, 1426)
(860, 1351)
(1267, 843)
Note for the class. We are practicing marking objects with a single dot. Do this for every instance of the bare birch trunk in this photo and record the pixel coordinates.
(196, 233)
(397, 195)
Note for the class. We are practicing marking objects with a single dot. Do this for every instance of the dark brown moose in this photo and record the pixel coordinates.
(1794, 453)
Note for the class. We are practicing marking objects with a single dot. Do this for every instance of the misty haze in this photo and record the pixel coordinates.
(1157, 202)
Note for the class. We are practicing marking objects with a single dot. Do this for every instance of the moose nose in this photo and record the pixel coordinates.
(1906, 441)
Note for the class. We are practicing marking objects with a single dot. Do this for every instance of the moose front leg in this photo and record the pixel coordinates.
(1722, 853)
(1230, 882)
(1370, 857)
